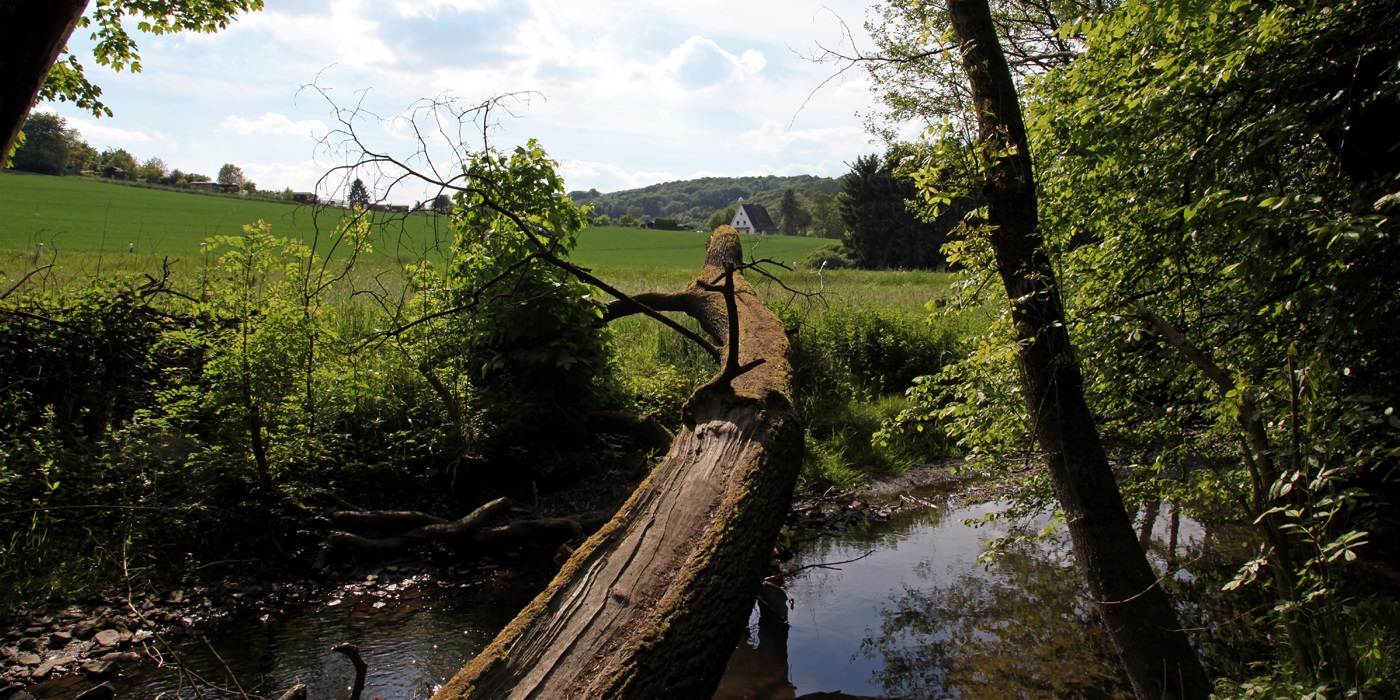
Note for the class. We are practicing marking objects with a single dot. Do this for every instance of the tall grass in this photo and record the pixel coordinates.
(859, 339)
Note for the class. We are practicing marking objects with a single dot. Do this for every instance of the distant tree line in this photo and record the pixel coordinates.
(875, 210)
(50, 147)
(692, 202)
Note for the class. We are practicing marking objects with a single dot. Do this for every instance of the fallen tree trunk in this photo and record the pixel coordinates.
(385, 532)
(652, 604)
(389, 521)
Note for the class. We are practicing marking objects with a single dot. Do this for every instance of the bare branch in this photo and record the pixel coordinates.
(24, 279)
(404, 169)
(1186, 347)
(475, 299)
(546, 254)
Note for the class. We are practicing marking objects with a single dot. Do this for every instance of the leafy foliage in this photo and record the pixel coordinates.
(230, 174)
(47, 142)
(534, 328)
(793, 217)
(116, 49)
(1198, 198)
(882, 229)
(826, 215)
(850, 364)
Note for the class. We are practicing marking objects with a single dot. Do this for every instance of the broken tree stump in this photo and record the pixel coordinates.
(651, 605)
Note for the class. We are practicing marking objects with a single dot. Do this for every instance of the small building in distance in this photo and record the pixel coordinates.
(212, 187)
(304, 197)
(385, 206)
(753, 218)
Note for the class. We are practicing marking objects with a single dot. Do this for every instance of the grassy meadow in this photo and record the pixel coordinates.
(88, 215)
(72, 215)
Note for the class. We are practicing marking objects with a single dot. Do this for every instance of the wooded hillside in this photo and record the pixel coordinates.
(693, 201)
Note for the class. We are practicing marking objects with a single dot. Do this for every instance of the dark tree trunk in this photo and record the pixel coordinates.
(31, 36)
(1159, 660)
(651, 605)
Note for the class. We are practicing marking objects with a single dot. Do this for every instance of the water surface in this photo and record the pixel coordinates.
(911, 612)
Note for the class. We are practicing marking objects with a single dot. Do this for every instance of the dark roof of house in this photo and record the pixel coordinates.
(758, 216)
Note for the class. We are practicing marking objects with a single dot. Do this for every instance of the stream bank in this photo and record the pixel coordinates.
(915, 615)
(62, 653)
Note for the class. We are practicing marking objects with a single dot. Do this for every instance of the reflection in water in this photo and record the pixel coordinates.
(1022, 627)
(921, 617)
(414, 634)
(759, 666)
(834, 607)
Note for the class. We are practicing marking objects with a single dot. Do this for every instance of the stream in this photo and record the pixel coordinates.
(910, 613)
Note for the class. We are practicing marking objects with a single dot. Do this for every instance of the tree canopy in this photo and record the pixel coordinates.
(1217, 200)
(883, 230)
(47, 144)
(1238, 197)
(110, 22)
(359, 194)
(231, 174)
(695, 201)
(33, 38)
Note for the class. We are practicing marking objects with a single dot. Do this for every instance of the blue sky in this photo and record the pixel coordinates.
(623, 94)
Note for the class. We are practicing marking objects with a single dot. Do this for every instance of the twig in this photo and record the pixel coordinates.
(480, 115)
(732, 369)
(352, 652)
(824, 565)
(225, 561)
(227, 670)
(24, 279)
(475, 300)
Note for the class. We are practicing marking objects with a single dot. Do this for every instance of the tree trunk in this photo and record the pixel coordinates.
(1156, 654)
(31, 36)
(651, 605)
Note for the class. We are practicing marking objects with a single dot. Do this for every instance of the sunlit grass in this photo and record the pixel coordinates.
(72, 214)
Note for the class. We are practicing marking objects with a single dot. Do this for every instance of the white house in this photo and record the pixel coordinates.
(752, 218)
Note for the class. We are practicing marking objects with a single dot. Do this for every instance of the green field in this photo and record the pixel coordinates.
(83, 215)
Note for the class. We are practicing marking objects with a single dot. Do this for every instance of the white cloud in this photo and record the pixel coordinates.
(774, 137)
(345, 34)
(431, 8)
(609, 177)
(637, 91)
(274, 124)
(752, 61)
(97, 133)
(700, 63)
(295, 175)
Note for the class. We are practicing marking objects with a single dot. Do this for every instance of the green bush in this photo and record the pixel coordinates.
(834, 256)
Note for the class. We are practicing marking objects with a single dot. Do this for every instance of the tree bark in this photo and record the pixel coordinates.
(1156, 654)
(31, 36)
(651, 605)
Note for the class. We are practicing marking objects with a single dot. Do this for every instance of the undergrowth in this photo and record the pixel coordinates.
(127, 441)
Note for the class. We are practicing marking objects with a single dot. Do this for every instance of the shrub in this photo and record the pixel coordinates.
(833, 256)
